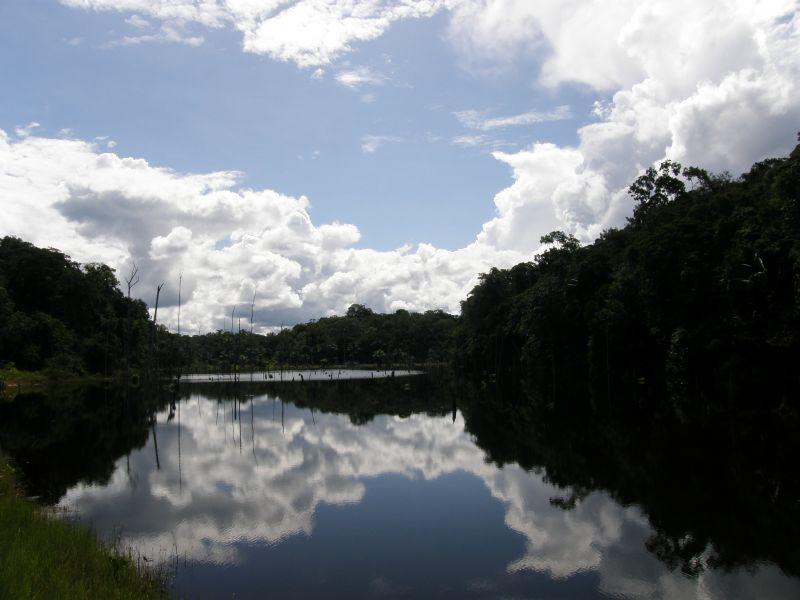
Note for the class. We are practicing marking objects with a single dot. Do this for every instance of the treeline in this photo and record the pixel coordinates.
(61, 316)
(360, 337)
(56, 314)
(700, 288)
(699, 292)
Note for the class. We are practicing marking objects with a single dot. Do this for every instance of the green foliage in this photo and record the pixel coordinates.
(657, 187)
(703, 281)
(46, 557)
(700, 287)
(360, 337)
(57, 315)
(62, 317)
(568, 242)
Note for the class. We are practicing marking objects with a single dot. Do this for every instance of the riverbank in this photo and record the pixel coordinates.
(14, 381)
(45, 557)
(11, 378)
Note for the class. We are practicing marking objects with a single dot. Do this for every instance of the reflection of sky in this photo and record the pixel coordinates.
(313, 503)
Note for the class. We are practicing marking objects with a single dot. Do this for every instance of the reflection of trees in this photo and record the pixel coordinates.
(362, 400)
(72, 434)
(718, 494)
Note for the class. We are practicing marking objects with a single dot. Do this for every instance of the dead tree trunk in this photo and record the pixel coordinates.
(131, 280)
(180, 284)
(154, 339)
(179, 365)
(233, 347)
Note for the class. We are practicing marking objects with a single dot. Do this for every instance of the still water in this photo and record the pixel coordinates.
(380, 488)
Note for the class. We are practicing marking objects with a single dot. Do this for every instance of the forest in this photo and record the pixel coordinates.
(62, 317)
(698, 296)
(698, 292)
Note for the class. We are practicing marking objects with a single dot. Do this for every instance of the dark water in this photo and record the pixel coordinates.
(410, 488)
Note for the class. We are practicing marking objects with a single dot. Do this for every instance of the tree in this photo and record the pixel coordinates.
(657, 187)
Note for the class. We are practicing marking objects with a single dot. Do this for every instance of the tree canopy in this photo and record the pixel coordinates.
(700, 287)
(702, 284)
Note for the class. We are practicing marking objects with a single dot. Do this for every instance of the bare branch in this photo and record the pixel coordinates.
(133, 278)
(158, 293)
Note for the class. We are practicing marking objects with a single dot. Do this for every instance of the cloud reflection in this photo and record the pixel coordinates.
(230, 476)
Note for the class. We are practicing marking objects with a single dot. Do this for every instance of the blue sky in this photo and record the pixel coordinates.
(386, 152)
(214, 107)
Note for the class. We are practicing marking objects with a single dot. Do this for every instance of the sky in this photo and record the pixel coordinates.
(317, 153)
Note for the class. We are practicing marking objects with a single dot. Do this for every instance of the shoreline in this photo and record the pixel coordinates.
(45, 556)
(16, 378)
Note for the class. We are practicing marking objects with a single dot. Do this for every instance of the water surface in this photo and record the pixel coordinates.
(379, 488)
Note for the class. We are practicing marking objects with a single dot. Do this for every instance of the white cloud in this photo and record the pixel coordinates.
(166, 34)
(138, 22)
(26, 130)
(371, 143)
(531, 204)
(485, 143)
(309, 33)
(225, 239)
(577, 37)
(360, 76)
(469, 140)
(713, 84)
(477, 120)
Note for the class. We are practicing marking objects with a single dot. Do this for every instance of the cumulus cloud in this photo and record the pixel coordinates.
(713, 84)
(225, 239)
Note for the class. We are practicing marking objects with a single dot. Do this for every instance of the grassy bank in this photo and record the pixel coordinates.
(13, 380)
(44, 557)
(13, 377)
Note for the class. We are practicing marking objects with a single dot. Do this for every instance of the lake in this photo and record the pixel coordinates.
(410, 487)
